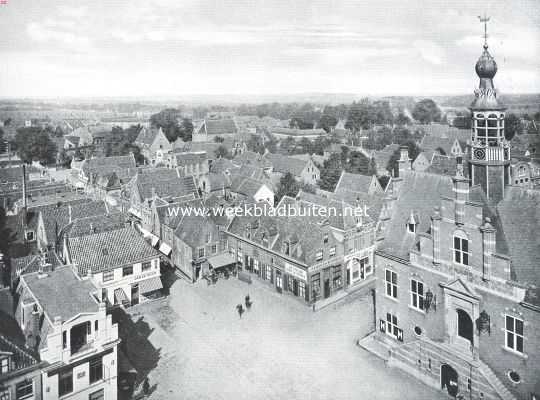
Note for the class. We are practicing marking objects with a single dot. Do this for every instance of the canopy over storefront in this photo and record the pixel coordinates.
(150, 285)
(221, 260)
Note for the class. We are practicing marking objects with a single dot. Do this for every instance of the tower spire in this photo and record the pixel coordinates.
(484, 20)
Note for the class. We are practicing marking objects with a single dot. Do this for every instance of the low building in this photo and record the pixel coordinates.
(76, 338)
(154, 145)
(302, 170)
(119, 262)
(20, 371)
(211, 128)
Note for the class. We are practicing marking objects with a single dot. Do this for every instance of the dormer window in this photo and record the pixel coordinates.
(412, 223)
(325, 239)
(411, 228)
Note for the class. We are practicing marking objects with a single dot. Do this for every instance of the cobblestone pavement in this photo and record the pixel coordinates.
(279, 349)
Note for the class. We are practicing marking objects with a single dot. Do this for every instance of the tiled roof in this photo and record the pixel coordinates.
(250, 171)
(96, 224)
(192, 230)
(519, 214)
(284, 164)
(305, 234)
(108, 250)
(221, 165)
(420, 193)
(55, 219)
(61, 294)
(442, 165)
(31, 263)
(188, 158)
(20, 357)
(354, 182)
(221, 126)
(172, 219)
(373, 202)
(11, 174)
(298, 132)
(123, 166)
(167, 188)
(432, 143)
(245, 186)
(147, 136)
(218, 181)
(252, 158)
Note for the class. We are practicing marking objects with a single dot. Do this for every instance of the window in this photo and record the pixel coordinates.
(417, 331)
(391, 325)
(268, 275)
(127, 270)
(256, 265)
(461, 250)
(99, 395)
(214, 249)
(29, 236)
(337, 276)
(4, 365)
(96, 369)
(391, 283)
(146, 265)
(24, 389)
(201, 252)
(325, 239)
(514, 333)
(332, 251)
(301, 289)
(319, 255)
(411, 228)
(64, 339)
(207, 238)
(108, 276)
(65, 382)
(417, 294)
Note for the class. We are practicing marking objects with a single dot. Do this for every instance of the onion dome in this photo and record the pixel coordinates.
(486, 67)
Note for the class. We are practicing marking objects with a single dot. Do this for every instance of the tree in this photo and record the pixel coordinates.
(288, 186)
(358, 163)
(426, 111)
(306, 145)
(34, 144)
(222, 152)
(330, 172)
(167, 120)
(512, 126)
(402, 119)
(360, 116)
(328, 122)
(186, 130)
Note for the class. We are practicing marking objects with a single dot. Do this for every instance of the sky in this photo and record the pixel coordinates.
(68, 48)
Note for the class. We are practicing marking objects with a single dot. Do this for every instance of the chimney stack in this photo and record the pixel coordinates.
(488, 245)
(461, 192)
(25, 204)
(404, 162)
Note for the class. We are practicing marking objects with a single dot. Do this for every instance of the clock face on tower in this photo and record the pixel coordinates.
(480, 154)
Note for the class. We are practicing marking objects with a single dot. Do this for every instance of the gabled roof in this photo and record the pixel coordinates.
(107, 250)
(20, 357)
(283, 164)
(173, 218)
(442, 165)
(246, 186)
(124, 166)
(354, 182)
(52, 289)
(95, 224)
(432, 143)
(32, 263)
(252, 158)
(147, 136)
(420, 192)
(165, 182)
(221, 165)
(220, 126)
(519, 215)
(192, 230)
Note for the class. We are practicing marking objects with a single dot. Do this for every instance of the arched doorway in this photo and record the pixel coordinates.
(464, 325)
(449, 379)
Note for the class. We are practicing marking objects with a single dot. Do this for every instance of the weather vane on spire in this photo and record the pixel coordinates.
(484, 20)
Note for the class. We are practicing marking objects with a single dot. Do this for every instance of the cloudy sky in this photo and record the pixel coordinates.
(180, 47)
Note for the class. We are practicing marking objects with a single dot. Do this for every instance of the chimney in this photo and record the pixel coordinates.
(404, 162)
(24, 187)
(488, 245)
(461, 192)
(436, 234)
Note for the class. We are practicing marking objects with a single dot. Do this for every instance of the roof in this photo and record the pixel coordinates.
(171, 219)
(124, 166)
(246, 186)
(107, 250)
(46, 290)
(443, 165)
(55, 219)
(354, 182)
(188, 158)
(31, 263)
(221, 165)
(519, 214)
(95, 224)
(220, 126)
(420, 193)
(73, 139)
(433, 143)
(298, 132)
(284, 164)
(192, 230)
(11, 174)
(252, 158)
(147, 136)
(173, 186)
(218, 181)
(20, 357)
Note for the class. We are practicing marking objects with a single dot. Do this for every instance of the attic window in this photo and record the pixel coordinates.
(411, 227)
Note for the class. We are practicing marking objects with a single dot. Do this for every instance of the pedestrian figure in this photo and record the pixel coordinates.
(240, 309)
(248, 302)
(146, 387)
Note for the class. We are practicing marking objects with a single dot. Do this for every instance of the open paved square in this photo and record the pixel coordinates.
(280, 349)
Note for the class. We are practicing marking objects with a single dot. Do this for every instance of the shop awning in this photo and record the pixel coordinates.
(165, 249)
(221, 260)
(120, 296)
(150, 285)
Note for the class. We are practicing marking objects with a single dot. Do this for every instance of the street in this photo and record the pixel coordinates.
(201, 349)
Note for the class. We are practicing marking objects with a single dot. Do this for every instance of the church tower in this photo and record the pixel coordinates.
(489, 164)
